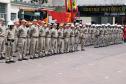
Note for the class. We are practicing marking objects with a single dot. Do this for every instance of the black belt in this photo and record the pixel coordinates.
(72, 36)
(67, 37)
(42, 36)
(48, 37)
(60, 37)
(22, 37)
(11, 40)
(55, 37)
(35, 36)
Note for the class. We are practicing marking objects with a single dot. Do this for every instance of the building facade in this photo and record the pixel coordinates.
(4, 9)
(9, 8)
(103, 11)
(58, 2)
(16, 5)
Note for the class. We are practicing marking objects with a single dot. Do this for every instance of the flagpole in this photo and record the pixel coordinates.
(71, 8)
(66, 5)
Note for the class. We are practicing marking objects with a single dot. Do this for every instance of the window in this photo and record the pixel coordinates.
(13, 16)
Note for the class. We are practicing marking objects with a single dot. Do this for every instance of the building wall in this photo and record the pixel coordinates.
(26, 0)
(86, 19)
(102, 19)
(50, 2)
(6, 13)
(14, 12)
(105, 20)
(12, 9)
(58, 2)
(4, 1)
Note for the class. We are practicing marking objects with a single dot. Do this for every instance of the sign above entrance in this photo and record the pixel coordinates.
(102, 9)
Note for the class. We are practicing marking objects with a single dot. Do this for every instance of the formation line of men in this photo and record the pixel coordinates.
(30, 40)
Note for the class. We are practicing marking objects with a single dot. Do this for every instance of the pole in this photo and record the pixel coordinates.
(71, 8)
(113, 20)
(66, 5)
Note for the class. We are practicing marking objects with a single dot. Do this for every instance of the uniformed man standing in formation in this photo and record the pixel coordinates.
(42, 40)
(61, 39)
(22, 41)
(76, 32)
(48, 40)
(2, 38)
(72, 38)
(34, 34)
(82, 37)
(54, 39)
(30, 40)
(106, 35)
(67, 38)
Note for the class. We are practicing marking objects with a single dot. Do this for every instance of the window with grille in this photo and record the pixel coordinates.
(13, 16)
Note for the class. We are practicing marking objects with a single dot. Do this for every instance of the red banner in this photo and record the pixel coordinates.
(61, 17)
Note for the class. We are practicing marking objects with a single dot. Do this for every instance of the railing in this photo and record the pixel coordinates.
(35, 5)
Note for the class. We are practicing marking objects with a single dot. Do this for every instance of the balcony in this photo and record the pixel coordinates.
(31, 4)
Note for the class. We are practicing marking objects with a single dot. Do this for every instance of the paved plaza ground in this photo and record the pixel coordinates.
(105, 65)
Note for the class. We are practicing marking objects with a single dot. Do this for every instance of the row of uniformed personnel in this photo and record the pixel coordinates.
(103, 35)
(38, 39)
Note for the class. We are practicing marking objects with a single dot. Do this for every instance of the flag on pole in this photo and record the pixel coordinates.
(68, 6)
(74, 5)
(71, 5)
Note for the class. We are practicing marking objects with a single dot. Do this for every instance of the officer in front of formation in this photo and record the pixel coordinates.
(10, 34)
